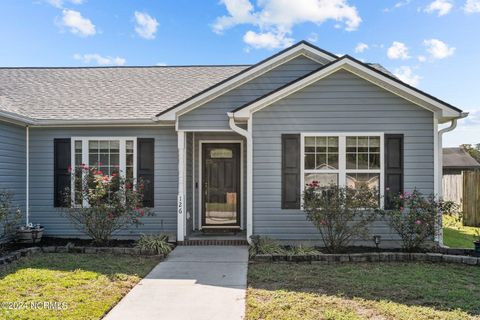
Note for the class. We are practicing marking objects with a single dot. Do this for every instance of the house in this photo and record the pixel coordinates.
(457, 161)
(227, 147)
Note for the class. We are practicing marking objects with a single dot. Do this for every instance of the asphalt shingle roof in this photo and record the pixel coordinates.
(458, 158)
(103, 93)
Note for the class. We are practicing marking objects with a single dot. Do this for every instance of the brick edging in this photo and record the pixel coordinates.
(368, 257)
(16, 255)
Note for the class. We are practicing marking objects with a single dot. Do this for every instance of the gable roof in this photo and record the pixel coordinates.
(363, 70)
(102, 93)
(458, 158)
(301, 48)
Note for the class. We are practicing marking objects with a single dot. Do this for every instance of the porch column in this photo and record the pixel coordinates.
(181, 187)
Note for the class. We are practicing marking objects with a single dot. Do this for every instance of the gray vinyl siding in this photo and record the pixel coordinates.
(342, 102)
(41, 178)
(210, 136)
(213, 115)
(13, 162)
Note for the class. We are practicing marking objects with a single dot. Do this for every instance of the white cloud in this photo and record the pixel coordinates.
(422, 58)
(99, 60)
(267, 40)
(275, 19)
(405, 74)
(361, 47)
(398, 50)
(397, 5)
(60, 3)
(438, 49)
(161, 64)
(472, 6)
(145, 25)
(77, 23)
(442, 7)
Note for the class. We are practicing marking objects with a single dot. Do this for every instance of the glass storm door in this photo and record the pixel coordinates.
(221, 185)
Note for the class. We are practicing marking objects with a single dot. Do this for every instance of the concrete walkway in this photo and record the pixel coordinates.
(197, 282)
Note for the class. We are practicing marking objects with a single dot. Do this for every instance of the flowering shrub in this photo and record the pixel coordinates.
(9, 217)
(340, 213)
(413, 217)
(104, 204)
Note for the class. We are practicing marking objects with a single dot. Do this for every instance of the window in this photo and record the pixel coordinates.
(352, 160)
(109, 155)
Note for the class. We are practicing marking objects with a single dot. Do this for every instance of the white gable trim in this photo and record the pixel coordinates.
(361, 71)
(301, 49)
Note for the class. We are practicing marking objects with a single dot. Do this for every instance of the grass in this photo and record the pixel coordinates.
(457, 236)
(88, 285)
(363, 291)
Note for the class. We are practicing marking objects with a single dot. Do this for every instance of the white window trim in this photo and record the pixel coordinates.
(85, 157)
(342, 170)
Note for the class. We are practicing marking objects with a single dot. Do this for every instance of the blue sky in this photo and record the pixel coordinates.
(432, 44)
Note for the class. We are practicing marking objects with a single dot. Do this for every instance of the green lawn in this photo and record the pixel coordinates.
(89, 285)
(363, 291)
(456, 235)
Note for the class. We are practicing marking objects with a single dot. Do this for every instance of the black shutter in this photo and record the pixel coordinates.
(290, 171)
(61, 164)
(145, 168)
(393, 167)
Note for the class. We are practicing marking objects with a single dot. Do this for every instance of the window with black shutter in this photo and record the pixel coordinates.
(61, 165)
(146, 168)
(291, 171)
(393, 167)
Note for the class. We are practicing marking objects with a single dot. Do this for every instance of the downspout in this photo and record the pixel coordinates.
(248, 136)
(452, 126)
(27, 177)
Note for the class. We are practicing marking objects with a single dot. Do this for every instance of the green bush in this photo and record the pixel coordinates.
(264, 245)
(154, 243)
(413, 217)
(341, 214)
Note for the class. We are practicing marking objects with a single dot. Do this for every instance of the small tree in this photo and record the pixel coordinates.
(104, 204)
(9, 216)
(413, 217)
(340, 213)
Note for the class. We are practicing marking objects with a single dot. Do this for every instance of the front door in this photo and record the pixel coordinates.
(221, 185)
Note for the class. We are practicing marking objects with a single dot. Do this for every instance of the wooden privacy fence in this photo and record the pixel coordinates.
(471, 198)
(453, 187)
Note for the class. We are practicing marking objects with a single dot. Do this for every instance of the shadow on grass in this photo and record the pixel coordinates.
(104, 264)
(439, 287)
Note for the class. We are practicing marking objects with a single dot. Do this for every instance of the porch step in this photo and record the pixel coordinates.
(213, 242)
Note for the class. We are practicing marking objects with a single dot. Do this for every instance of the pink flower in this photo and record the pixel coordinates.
(142, 213)
(418, 222)
(323, 222)
(401, 197)
(69, 169)
(99, 172)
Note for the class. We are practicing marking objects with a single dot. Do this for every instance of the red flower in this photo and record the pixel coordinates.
(99, 172)
(141, 186)
(142, 213)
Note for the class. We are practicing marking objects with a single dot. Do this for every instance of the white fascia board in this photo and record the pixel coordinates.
(359, 70)
(235, 82)
(15, 118)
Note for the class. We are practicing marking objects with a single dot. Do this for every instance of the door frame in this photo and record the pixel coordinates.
(200, 184)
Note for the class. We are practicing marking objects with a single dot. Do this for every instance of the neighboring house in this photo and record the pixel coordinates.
(456, 161)
(223, 146)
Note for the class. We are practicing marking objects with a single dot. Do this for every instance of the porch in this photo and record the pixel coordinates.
(212, 188)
